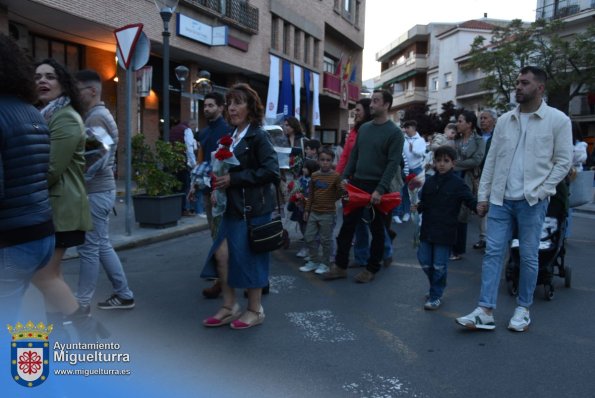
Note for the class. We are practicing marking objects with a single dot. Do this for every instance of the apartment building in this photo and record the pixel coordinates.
(313, 34)
(577, 16)
(424, 66)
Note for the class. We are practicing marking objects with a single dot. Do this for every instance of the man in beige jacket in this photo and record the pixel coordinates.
(530, 154)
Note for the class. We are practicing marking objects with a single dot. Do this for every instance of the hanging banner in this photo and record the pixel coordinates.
(286, 98)
(297, 89)
(315, 104)
(273, 95)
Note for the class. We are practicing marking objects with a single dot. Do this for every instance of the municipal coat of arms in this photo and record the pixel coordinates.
(30, 353)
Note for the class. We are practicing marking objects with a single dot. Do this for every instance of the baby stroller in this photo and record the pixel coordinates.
(551, 248)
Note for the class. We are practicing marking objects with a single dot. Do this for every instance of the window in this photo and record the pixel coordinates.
(348, 10)
(357, 12)
(297, 36)
(275, 33)
(329, 64)
(447, 79)
(67, 54)
(347, 6)
(435, 85)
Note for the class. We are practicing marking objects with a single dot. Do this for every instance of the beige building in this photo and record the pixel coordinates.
(322, 36)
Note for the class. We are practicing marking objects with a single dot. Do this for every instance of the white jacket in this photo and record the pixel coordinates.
(547, 157)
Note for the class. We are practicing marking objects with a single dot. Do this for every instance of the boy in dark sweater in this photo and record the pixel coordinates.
(324, 190)
(441, 199)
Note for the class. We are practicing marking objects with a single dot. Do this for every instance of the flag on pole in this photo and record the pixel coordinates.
(353, 74)
(297, 90)
(347, 70)
(315, 104)
(339, 66)
(273, 94)
(286, 98)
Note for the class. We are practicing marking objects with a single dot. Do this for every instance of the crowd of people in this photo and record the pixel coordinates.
(500, 169)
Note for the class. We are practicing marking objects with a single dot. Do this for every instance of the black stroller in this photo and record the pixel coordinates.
(551, 248)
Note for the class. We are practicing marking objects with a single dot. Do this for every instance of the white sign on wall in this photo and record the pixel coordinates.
(201, 32)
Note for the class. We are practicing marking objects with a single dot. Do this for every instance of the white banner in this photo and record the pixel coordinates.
(273, 95)
(315, 105)
(297, 89)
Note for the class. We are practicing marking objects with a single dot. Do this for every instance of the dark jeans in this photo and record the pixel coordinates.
(376, 225)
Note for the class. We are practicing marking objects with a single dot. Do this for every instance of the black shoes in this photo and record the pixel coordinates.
(480, 244)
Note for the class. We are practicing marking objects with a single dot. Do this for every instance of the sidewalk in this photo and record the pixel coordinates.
(142, 236)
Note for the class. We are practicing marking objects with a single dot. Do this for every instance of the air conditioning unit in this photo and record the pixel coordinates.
(19, 33)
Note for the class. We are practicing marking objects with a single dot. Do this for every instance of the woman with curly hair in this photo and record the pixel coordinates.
(250, 191)
(59, 104)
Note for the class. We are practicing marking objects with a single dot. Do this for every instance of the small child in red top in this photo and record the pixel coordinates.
(324, 190)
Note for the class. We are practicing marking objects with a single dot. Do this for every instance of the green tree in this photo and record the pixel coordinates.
(568, 60)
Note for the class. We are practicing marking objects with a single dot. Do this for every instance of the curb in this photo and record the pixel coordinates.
(130, 242)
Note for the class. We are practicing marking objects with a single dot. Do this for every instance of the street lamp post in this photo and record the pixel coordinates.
(166, 9)
(182, 75)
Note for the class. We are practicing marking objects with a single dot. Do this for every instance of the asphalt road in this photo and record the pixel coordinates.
(342, 339)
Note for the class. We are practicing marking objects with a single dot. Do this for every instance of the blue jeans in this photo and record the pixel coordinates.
(501, 220)
(361, 248)
(98, 249)
(405, 206)
(433, 259)
(18, 263)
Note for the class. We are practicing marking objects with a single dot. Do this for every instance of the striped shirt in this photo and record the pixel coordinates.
(324, 190)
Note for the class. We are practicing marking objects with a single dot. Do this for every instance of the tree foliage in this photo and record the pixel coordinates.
(568, 60)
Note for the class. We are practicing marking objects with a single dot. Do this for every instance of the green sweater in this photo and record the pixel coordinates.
(377, 154)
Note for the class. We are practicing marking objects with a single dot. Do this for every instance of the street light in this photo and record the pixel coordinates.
(182, 74)
(203, 85)
(166, 9)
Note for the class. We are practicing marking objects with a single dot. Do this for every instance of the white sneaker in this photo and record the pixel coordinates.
(478, 319)
(303, 252)
(309, 266)
(406, 217)
(397, 220)
(520, 321)
(322, 268)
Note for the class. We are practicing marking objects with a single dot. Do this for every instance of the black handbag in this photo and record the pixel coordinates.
(268, 236)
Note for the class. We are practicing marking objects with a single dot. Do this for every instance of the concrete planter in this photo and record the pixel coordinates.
(157, 211)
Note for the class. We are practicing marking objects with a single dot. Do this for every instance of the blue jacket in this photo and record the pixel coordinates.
(440, 202)
(25, 211)
(209, 136)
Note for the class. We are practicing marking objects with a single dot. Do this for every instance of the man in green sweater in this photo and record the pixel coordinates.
(373, 163)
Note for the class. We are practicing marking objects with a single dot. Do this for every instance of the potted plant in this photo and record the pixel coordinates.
(158, 204)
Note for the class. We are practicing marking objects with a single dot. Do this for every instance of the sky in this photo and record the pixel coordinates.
(386, 20)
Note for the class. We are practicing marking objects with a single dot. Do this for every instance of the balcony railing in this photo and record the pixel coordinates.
(410, 96)
(237, 13)
(417, 63)
(471, 88)
(563, 8)
(332, 84)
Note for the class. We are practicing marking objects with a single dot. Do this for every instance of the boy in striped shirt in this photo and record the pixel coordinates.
(320, 210)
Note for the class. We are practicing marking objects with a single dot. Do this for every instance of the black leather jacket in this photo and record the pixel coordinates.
(252, 182)
(25, 212)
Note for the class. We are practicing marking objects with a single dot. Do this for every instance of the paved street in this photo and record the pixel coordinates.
(341, 339)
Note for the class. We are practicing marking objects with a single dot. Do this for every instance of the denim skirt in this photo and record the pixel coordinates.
(246, 268)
